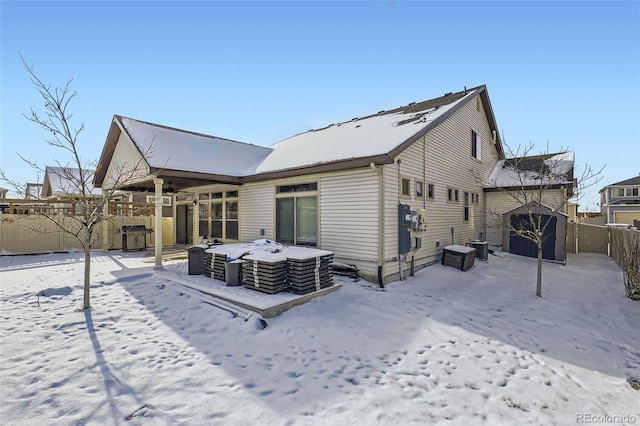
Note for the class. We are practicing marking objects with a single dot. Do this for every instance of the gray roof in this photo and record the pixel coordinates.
(632, 181)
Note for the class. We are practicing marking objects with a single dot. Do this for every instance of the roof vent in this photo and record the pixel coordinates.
(448, 93)
(412, 103)
(381, 111)
(354, 118)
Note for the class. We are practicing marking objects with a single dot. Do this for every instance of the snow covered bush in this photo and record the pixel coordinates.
(630, 262)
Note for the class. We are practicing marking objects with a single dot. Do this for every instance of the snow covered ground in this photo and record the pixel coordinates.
(445, 347)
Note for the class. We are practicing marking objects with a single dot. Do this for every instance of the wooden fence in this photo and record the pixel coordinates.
(31, 234)
(623, 240)
(583, 238)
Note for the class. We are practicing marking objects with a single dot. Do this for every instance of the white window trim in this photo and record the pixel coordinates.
(166, 200)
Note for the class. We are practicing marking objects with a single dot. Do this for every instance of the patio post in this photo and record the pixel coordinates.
(158, 225)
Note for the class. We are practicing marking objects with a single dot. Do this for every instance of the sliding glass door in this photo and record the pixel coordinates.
(297, 220)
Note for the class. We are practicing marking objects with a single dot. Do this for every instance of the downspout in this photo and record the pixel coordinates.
(424, 173)
(399, 189)
(425, 189)
(381, 215)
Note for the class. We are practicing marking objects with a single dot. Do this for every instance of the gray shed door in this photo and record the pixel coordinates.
(524, 247)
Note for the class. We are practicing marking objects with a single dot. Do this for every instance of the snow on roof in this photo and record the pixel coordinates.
(369, 136)
(176, 149)
(379, 134)
(66, 180)
(536, 204)
(558, 170)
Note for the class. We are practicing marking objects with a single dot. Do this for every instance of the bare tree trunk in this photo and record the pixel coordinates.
(87, 273)
(539, 280)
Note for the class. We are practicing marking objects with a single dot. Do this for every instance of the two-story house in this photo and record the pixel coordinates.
(620, 201)
(348, 187)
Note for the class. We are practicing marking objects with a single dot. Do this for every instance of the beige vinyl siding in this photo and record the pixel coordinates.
(257, 211)
(349, 219)
(125, 156)
(626, 217)
(448, 164)
(347, 214)
(500, 202)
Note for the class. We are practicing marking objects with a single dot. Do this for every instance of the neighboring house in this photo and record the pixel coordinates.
(4, 206)
(33, 191)
(543, 180)
(65, 182)
(621, 201)
(591, 218)
(338, 188)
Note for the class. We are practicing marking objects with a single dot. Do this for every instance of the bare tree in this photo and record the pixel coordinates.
(79, 208)
(540, 182)
(628, 257)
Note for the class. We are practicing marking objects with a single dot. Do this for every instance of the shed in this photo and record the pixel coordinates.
(554, 245)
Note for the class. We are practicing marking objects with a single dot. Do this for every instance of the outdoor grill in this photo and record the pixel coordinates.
(134, 237)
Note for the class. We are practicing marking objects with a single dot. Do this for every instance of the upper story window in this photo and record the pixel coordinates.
(430, 192)
(419, 189)
(476, 145)
(625, 192)
(453, 195)
(406, 187)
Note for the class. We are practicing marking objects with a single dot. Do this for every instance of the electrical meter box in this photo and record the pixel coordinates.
(421, 216)
(404, 228)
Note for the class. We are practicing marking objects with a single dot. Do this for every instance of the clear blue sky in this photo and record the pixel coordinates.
(566, 74)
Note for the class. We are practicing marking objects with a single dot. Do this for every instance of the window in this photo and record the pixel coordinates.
(419, 189)
(297, 188)
(218, 215)
(297, 216)
(166, 200)
(406, 187)
(453, 195)
(476, 146)
(231, 217)
(466, 206)
(430, 192)
(632, 192)
(620, 192)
